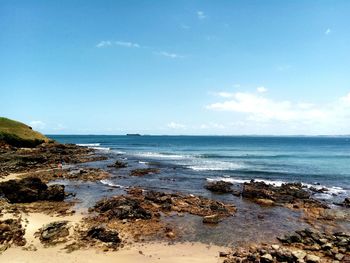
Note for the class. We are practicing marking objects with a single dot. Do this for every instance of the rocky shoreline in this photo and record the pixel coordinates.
(139, 215)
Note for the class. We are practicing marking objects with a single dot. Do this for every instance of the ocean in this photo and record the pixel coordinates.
(189, 161)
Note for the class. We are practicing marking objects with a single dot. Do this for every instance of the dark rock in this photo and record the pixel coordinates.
(316, 190)
(119, 164)
(54, 192)
(346, 202)
(104, 235)
(122, 208)
(223, 254)
(29, 190)
(142, 172)
(54, 232)
(158, 197)
(290, 193)
(11, 232)
(267, 258)
(212, 219)
(220, 187)
(236, 192)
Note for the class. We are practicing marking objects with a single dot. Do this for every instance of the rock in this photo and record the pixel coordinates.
(275, 247)
(220, 187)
(236, 192)
(299, 254)
(267, 258)
(223, 254)
(29, 190)
(346, 202)
(265, 202)
(211, 219)
(284, 194)
(312, 259)
(122, 207)
(11, 232)
(327, 246)
(339, 256)
(142, 172)
(54, 232)
(284, 256)
(54, 192)
(170, 234)
(317, 190)
(104, 235)
(119, 164)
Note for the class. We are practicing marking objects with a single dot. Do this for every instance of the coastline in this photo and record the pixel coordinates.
(180, 249)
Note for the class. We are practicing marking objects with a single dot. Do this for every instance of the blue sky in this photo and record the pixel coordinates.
(176, 67)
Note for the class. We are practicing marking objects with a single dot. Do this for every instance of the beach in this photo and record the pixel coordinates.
(99, 200)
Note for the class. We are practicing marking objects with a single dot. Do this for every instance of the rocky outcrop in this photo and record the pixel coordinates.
(175, 202)
(143, 172)
(47, 155)
(29, 190)
(345, 203)
(107, 236)
(11, 232)
(121, 207)
(301, 246)
(219, 187)
(53, 233)
(289, 193)
(119, 164)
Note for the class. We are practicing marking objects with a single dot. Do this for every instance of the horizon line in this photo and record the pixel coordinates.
(213, 135)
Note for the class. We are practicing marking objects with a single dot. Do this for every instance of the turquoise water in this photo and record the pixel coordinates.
(192, 160)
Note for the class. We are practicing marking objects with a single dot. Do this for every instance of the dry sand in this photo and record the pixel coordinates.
(138, 252)
(157, 252)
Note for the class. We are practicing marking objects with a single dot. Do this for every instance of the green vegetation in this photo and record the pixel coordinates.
(18, 134)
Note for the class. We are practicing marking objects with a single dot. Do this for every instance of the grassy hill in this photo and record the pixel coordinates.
(18, 134)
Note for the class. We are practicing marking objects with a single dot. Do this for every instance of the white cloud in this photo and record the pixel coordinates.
(225, 94)
(108, 43)
(346, 99)
(201, 15)
(260, 108)
(261, 89)
(212, 125)
(127, 44)
(174, 125)
(169, 55)
(104, 44)
(37, 124)
(328, 31)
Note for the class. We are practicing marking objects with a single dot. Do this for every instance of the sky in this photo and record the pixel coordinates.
(176, 67)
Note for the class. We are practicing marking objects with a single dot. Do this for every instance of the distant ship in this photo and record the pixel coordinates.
(133, 134)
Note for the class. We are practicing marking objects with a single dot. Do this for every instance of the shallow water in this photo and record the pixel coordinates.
(235, 158)
(311, 160)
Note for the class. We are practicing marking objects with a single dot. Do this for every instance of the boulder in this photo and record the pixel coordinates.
(220, 187)
(267, 258)
(145, 171)
(54, 192)
(29, 190)
(53, 232)
(11, 232)
(104, 235)
(119, 164)
(211, 219)
(312, 258)
(122, 208)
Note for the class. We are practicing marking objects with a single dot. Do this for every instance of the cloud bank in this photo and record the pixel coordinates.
(257, 107)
